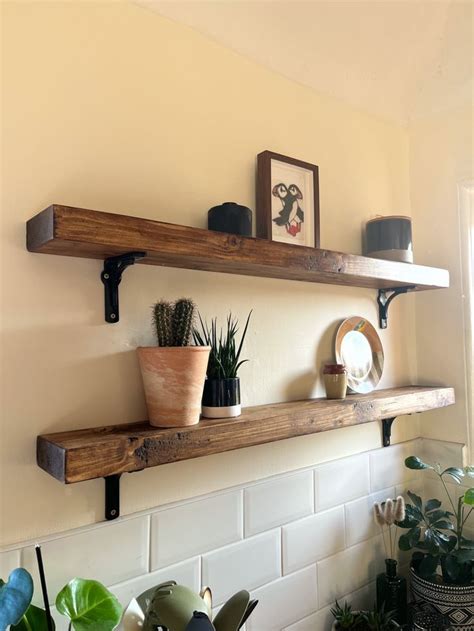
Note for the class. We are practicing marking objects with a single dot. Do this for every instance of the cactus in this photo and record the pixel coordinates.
(163, 320)
(173, 322)
(183, 318)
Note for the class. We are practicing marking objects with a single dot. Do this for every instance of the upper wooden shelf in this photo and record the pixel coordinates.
(92, 234)
(107, 451)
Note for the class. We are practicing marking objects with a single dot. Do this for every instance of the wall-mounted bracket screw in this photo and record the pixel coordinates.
(112, 496)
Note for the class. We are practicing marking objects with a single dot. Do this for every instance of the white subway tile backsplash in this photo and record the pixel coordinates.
(9, 561)
(278, 502)
(415, 485)
(110, 554)
(447, 454)
(312, 538)
(360, 523)
(349, 570)
(244, 565)
(319, 621)
(284, 601)
(186, 573)
(387, 466)
(297, 541)
(342, 480)
(363, 598)
(195, 527)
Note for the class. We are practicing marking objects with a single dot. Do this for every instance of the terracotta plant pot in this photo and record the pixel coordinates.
(173, 378)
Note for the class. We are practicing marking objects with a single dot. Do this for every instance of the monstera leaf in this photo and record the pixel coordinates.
(33, 620)
(15, 597)
(89, 606)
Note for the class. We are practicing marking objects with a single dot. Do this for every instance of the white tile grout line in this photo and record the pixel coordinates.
(281, 552)
(149, 544)
(158, 509)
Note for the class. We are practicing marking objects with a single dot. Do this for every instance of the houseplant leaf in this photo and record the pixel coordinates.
(455, 473)
(469, 497)
(432, 505)
(428, 566)
(416, 499)
(413, 462)
(33, 620)
(410, 539)
(15, 597)
(89, 605)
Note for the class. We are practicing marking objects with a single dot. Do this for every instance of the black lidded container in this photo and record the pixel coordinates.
(390, 238)
(230, 217)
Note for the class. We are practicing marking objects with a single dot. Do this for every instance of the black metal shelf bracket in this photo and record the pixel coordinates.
(384, 301)
(387, 430)
(111, 276)
(112, 496)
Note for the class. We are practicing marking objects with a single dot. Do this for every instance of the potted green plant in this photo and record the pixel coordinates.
(221, 395)
(87, 604)
(173, 373)
(442, 561)
(376, 619)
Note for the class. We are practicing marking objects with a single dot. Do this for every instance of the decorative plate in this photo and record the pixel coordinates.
(359, 348)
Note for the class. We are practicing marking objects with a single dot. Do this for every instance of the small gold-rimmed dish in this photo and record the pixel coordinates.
(359, 348)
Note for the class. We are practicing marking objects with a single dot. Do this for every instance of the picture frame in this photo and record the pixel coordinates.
(287, 200)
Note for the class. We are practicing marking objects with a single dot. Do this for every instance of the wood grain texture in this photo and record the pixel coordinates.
(102, 451)
(85, 233)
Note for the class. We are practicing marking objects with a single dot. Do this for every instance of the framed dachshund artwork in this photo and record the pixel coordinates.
(287, 200)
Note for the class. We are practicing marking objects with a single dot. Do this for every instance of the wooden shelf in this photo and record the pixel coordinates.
(78, 232)
(107, 451)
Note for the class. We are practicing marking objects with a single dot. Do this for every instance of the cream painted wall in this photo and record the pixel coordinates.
(441, 159)
(111, 107)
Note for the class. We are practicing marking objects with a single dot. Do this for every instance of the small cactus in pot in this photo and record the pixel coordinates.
(173, 372)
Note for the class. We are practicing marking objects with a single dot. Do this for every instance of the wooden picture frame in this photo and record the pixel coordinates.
(287, 200)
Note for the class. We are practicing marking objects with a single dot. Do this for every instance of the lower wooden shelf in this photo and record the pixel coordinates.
(99, 452)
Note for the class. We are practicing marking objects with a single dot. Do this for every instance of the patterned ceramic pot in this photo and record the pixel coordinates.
(456, 602)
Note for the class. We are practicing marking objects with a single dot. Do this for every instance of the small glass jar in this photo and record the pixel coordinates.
(335, 381)
(430, 621)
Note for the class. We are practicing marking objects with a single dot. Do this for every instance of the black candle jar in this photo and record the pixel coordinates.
(390, 238)
(230, 217)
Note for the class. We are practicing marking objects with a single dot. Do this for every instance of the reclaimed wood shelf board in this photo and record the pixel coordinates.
(93, 234)
(86, 454)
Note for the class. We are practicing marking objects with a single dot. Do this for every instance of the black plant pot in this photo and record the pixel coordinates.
(221, 398)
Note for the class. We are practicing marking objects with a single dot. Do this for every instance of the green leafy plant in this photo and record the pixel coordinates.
(437, 535)
(224, 359)
(89, 606)
(372, 620)
(33, 620)
(173, 322)
(15, 597)
(346, 618)
(378, 620)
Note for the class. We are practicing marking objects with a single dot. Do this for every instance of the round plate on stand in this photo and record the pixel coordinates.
(359, 348)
